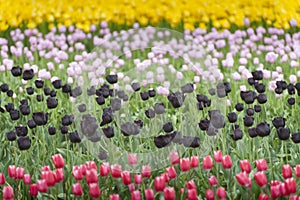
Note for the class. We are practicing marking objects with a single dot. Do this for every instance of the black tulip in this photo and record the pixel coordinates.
(25, 109)
(252, 132)
(100, 100)
(278, 90)
(250, 111)
(24, 102)
(159, 108)
(64, 129)
(282, 84)
(227, 87)
(129, 128)
(40, 118)
(291, 89)
(187, 88)
(262, 98)
(53, 93)
(283, 133)
(232, 117)
(251, 81)
(4, 87)
(21, 131)
(163, 140)
(39, 83)
(30, 90)
(24, 143)
(112, 78)
(82, 108)
(47, 91)
(204, 124)
(296, 138)
(176, 99)
(291, 101)
(257, 75)
(31, 123)
(248, 96)
(66, 88)
(57, 84)
(14, 114)
(168, 127)
(239, 107)
(11, 136)
(52, 130)
(16, 71)
(139, 122)
(74, 137)
(2, 110)
(106, 118)
(9, 107)
(190, 141)
(278, 122)
(67, 120)
(263, 129)
(257, 108)
(150, 113)
(88, 125)
(248, 121)
(136, 86)
(237, 134)
(108, 131)
(10, 93)
(152, 93)
(260, 87)
(144, 95)
(28, 74)
(52, 102)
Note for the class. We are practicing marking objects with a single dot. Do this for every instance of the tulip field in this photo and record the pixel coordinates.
(150, 100)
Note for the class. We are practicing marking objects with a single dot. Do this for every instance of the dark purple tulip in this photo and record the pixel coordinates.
(21, 131)
(30, 90)
(257, 108)
(40, 118)
(57, 84)
(10, 93)
(4, 87)
(47, 91)
(76, 92)
(28, 74)
(82, 108)
(108, 131)
(14, 114)
(263, 129)
(251, 81)
(67, 120)
(176, 99)
(257, 75)
(66, 88)
(52, 102)
(11, 136)
(152, 93)
(278, 122)
(212, 91)
(16, 71)
(74, 137)
(112, 78)
(239, 107)
(115, 104)
(139, 122)
(262, 98)
(296, 138)
(100, 100)
(204, 124)
(39, 83)
(248, 121)
(9, 107)
(163, 140)
(24, 143)
(168, 127)
(190, 141)
(159, 108)
(232, 117)
(248, 96)
(237, 134)
(250, 111)
(144, 95)
(252, 132)
(150, 113)
(52, 130)
(283, 133)
(39, 97)
(53, 93)
(91, 91)
(24, 109)
(31, 123)
(136, 86)
(64, 129)
(291, 89)
(260, 87)
(291, 101)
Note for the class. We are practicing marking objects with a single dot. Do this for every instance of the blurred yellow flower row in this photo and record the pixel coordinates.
(222, 13)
